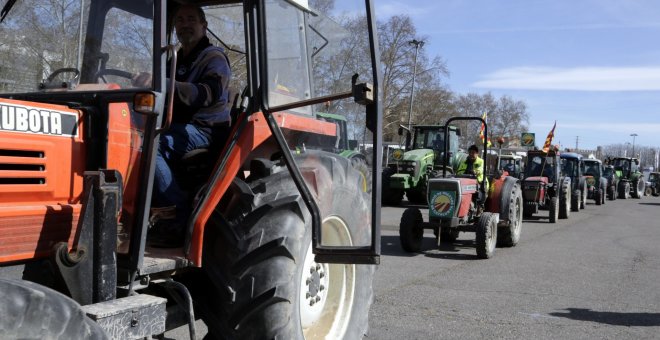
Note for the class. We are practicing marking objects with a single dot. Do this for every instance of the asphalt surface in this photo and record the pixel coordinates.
(593, 276)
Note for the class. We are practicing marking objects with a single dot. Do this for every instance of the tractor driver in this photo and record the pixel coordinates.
(472, 165)
(200, 117)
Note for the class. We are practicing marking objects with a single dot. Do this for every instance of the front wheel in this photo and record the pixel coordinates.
(576, 200)
(264, 282)
(411, 232)
(565, 204)
(554, 210)
(486, 235)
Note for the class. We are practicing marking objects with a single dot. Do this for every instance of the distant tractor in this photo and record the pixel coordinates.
(596, 181)
(543, 187)
(492, 208)
(572, 165)
(631, 180)
(612, 182)
(512, 164)
(408, 172)
(654, 183)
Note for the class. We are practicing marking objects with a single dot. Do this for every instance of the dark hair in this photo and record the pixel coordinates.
(473, 147)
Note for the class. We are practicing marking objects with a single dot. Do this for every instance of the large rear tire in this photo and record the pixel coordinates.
(411, 232)
(486, 235)
(32, 311)
(639, 186)
(257, 255)
(510, 235)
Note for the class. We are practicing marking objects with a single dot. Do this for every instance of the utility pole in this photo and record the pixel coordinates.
(418, 44)
(577, 138)
(633, 135)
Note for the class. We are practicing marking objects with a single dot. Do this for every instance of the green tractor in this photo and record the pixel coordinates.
(341, 144)
(409, 171)
(631, 179)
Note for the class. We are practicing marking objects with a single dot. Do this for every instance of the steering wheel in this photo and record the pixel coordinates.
(112, 72)
(50, 81)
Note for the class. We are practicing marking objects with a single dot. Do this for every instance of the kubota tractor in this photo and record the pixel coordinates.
(596, 182)
(282, 239)
(492, 209)
(543, 186)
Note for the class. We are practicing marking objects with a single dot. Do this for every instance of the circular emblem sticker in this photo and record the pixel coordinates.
(397, 154)
(442, 204)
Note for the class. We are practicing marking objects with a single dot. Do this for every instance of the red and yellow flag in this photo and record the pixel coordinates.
(548, 140)
(481, 130)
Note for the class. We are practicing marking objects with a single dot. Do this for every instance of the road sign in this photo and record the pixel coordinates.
(527, 139)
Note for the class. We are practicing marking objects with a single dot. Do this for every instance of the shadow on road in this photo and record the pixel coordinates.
(611, 318)
(391, 246)
(650, 204)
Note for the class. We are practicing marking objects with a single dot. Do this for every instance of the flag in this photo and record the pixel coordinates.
(482, 129)
(548, 140)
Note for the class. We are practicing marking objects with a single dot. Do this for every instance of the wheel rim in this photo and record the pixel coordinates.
(327, 290)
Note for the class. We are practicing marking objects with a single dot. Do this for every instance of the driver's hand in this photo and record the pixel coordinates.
(142, 79)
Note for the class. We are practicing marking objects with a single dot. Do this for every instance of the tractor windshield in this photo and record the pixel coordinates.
(592, 168)
(429, 139)
(622, 164)
(540, 166)
(59, 45)
(511, 165)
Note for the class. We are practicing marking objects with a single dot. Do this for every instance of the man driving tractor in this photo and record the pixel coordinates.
(472, 164)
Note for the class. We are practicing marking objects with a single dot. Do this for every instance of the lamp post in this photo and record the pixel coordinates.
(418, 44)
(633, 135)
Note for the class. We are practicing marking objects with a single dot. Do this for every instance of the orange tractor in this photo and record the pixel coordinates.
(491, 208)
(282, 239)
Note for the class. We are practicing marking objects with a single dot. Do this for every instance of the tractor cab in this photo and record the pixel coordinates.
(543, 186)
(512, 164)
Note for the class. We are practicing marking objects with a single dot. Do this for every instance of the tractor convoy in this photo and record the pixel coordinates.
(514, 187)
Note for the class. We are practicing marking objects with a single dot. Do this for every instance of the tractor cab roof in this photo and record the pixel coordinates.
(593, 160)
(571, 155)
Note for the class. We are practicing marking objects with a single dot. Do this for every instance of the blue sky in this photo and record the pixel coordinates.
(591, 65)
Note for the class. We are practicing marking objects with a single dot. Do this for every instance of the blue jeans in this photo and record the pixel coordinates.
(176, 142)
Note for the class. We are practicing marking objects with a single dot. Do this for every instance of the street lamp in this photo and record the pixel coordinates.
(418, 44)
(633, 135)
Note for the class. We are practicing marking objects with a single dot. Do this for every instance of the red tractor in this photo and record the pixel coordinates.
(544, 187)
(282, 239)
(492, 209)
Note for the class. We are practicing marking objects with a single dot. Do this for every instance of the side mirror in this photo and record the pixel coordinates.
(408, 140)
(458, 132)
(400, 131)
(352, 144)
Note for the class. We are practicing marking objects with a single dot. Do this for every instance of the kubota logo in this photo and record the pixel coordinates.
(442, 204)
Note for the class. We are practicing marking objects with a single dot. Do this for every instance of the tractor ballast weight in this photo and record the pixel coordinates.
(543, 186)
(283, 236)
(491, 209)
(631, 180)
(596, 181)
(408, 172)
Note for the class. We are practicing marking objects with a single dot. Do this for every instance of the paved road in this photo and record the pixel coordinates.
(593, 276)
